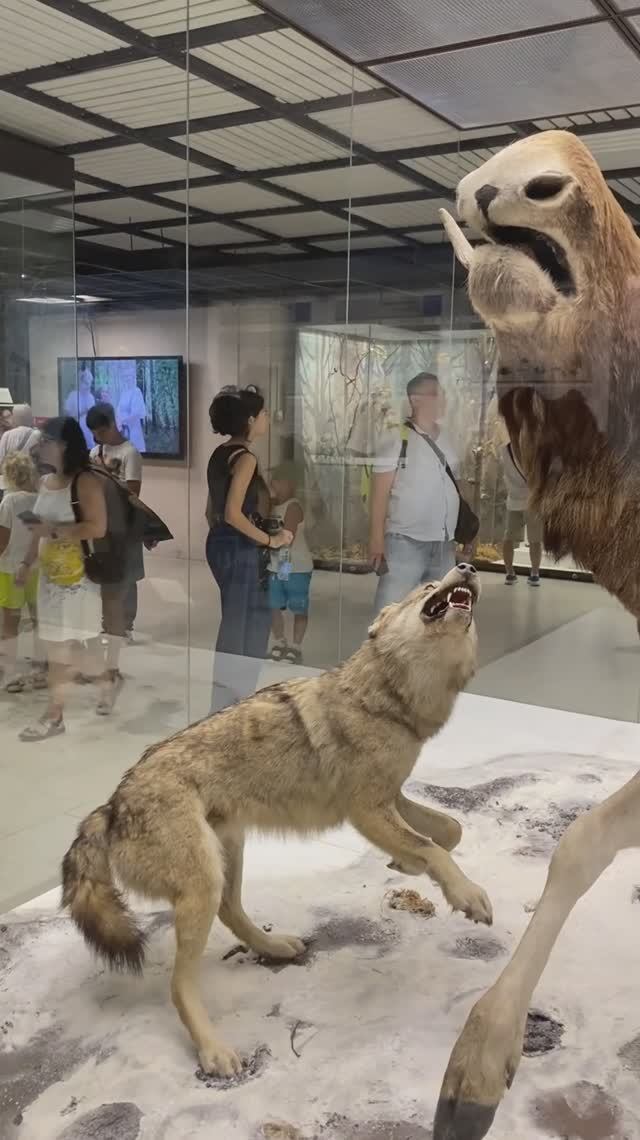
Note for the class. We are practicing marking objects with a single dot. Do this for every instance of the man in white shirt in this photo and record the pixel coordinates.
(414, 502)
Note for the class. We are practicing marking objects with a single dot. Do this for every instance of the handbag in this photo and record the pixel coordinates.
(129, 520)
(468, 523)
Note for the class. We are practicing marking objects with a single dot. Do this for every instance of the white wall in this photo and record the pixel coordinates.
(228, 344)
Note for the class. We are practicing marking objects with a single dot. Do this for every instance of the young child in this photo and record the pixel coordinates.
(21, 484)
(290, 568)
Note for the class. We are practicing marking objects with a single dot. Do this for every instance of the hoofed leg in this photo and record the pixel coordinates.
(487, 1054)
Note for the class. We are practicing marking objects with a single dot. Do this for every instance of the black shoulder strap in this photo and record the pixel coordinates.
(240, 449)
(437, 452)
(515, 463)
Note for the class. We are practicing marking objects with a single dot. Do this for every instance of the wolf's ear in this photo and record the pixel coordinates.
(381, 618)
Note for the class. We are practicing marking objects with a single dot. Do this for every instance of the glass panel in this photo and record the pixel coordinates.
(101, 333)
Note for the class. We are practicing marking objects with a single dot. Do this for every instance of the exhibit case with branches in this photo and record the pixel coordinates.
(350, 388)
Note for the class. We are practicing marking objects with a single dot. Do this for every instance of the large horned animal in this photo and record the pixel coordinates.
(557, 279)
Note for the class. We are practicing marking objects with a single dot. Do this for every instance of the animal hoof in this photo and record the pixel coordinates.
(218, 1061)
(462, 1120)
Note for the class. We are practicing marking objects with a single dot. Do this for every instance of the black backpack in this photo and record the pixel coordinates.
(105, 558)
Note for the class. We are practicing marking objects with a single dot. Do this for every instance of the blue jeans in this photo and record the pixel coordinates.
(243, 635)
(411, 562)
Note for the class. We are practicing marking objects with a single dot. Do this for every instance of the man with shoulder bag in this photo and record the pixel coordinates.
(417, 513)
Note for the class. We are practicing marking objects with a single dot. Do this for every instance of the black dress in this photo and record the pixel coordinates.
(236, 563)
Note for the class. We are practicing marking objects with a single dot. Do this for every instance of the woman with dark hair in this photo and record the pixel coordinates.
(237, 544)
(69, 607)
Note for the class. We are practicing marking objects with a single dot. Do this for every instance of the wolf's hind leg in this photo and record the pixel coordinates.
(233, 915)
(195, 905)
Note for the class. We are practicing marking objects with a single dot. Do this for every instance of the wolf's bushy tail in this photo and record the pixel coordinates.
(95, 903)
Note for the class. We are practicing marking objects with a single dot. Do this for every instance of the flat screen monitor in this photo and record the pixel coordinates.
(146, 392)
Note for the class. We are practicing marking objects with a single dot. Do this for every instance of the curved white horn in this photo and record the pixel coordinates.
(461, 246)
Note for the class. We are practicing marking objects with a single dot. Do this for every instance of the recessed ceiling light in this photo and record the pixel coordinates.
(84, 299)
(46, 300)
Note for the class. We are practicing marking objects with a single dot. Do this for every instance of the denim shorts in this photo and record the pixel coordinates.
(292, 595)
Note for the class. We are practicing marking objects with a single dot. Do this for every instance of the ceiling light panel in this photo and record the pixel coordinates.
(136, 165)
(40, 220)
(288, 66)
(365, 241)
(374, 29)
(403, 213)
(300, 225)
(385, 126)
(347, 182)
(628, 187)
(32, 34)
(42, 125)
(143, 94)
(165, 17)
(127, 210)
(225, 199)
(274, 143)
(210, 233)
(448, 169)
(124, 241)
(555, 73)
(613, 149)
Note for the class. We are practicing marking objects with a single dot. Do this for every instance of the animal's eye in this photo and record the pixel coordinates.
(545, 186)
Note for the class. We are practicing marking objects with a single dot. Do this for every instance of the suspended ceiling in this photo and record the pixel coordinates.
(297, 117)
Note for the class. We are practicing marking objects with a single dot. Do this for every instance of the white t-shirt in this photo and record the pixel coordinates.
(122, 459)
(516, 484)
(423, 503)
(301, 559)
(12, 505)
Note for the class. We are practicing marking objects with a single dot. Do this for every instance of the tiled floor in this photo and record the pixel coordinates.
(566, 645)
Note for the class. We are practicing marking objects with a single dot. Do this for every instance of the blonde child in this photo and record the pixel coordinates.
(290, 568)
(21, 487)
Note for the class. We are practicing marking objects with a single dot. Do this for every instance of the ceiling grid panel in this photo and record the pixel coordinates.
(273, 166)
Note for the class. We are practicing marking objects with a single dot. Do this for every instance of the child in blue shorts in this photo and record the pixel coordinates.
(290, 568)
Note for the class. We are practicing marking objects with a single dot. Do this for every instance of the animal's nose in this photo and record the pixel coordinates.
(485, 196)
(466, 568)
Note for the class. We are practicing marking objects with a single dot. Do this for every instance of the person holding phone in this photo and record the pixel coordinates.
(238, 544)
(69, 608)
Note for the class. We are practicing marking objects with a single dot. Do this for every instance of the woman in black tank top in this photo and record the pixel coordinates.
(236, 544)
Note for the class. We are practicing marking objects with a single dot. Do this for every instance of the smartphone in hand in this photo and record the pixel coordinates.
(29, 518)
(382, 567)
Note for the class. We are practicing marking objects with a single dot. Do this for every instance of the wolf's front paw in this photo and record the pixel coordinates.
(217, 1060)
(470, 899)
(282, 946)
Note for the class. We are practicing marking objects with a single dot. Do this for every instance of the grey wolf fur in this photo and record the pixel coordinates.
(297, 757)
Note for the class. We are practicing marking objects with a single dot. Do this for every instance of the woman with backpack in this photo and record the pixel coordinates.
(69, 606)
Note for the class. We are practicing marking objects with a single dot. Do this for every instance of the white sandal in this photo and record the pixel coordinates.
(41, 730)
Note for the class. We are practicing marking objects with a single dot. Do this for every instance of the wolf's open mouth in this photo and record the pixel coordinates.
(540, 248)
(459, 598)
